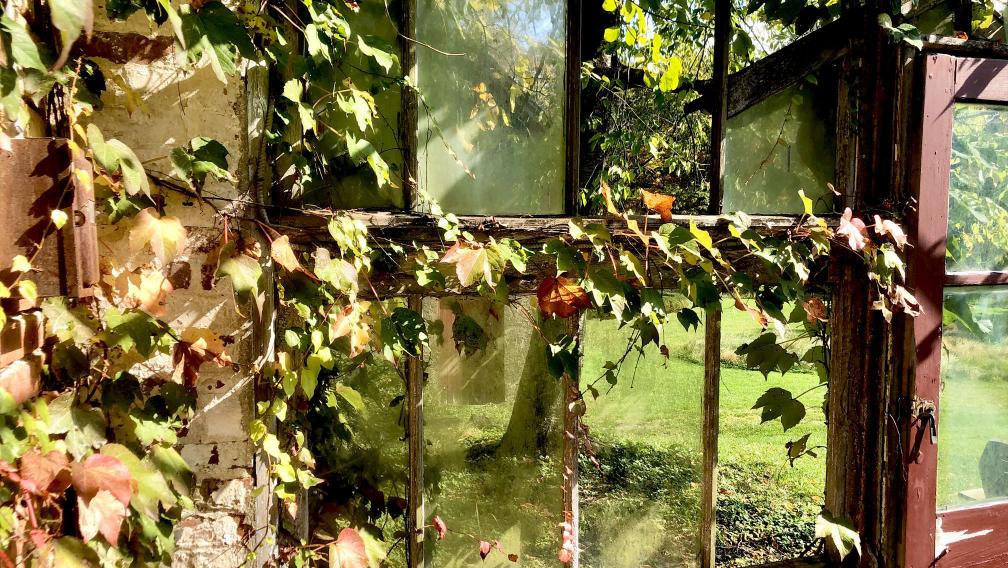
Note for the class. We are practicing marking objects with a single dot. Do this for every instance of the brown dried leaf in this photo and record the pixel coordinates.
(44, 473)
(197, 346)
(815, 310)
(561, 297)
(660, 203)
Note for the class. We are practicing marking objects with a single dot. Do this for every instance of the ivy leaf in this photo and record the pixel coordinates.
(382, 58)
(471, 263)
(44, 473)
(361, 150)
(201, 158)
(440, 527)
(165, 235)
(854, 230)
(115, 157)
(348, 551)
(103, 514)
(24, 51)
(839, 536)
(103, 473)
(561, 297)
(282, 254)
(69, 552)
(660, 203)
(197, 346)
(215, 32)
(70, 17)
(243, 271)
(350, 395)
(151, 487)
(765, 354)
(779, 403)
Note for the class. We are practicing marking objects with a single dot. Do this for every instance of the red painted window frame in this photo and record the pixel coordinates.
(974, 535)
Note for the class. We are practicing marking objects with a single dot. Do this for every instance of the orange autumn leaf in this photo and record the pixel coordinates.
(347, 551)
(561, 297)
(471, 263)
(660, 203)
(197, 346)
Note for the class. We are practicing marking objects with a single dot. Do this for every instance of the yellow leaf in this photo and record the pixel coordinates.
(20, 264)
(611, 34)
(165, 235)
(609, 5)
(805, 201)
(28, 290)
(701, 236)
(59, 218)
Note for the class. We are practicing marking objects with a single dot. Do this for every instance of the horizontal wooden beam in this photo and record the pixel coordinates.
(956, 46)
(782, 68)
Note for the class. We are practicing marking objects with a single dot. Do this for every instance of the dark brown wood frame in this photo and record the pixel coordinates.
(975, 535)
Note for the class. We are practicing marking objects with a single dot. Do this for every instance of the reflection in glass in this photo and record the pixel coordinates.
(779, 146)
(978, 218)
(493, 434)
(641, 505)
(352, 185)
(973, 408)
(495, 107)
(361, 454)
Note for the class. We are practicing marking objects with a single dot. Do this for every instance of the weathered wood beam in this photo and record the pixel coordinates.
(973, 47)
(781, 69)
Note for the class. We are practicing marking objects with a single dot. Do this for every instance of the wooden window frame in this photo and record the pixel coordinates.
(972, 535)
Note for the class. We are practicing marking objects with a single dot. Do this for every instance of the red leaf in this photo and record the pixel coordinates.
(104, 514)
(561, 297)
(101, 472)
(854, 230)
(513, 557)
(660, 203)
(348, 550)
(484, 549)
(440, 527)
(43, 473)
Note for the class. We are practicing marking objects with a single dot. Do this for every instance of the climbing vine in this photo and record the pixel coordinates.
(90, 471)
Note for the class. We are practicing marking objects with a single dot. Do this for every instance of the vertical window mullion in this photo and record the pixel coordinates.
(711, 427)
(414, 417)
(408, 116)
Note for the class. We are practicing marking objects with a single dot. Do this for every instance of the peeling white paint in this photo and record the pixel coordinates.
(944, 539)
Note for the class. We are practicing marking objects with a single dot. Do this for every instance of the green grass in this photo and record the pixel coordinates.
(974, 410)
(766, 507)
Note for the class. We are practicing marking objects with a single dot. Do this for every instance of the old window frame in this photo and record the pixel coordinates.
(971, 535)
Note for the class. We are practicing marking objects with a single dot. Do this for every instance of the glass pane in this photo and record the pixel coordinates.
(973, 407)
(363, 455)
(495, 107)
(767, 507)
(978, 219)
(641, 505)
(351, 185)
(780, 146)
(493, 432)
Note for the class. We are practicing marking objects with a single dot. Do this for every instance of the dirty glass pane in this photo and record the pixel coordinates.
(493, 434)
(361, 454)
(973, 405)
(494, 107)
(352, 185)
(640, 506)
(766, 506)
(978, 192)
(780, 146)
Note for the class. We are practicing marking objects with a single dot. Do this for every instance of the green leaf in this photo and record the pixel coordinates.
(806, 202)
(71, 17)
(609, 5)
(24, 52)
(28, 290)
(611, 34)
(215, 32)
(243, 271)
(383, 58)
(116, 157)
(173, 467)
(837, 535)
(202, 157)
(69, 552)
(701, 236)
(350, 395)
(779, 403)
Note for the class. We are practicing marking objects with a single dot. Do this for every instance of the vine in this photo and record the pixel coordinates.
(90, 471)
